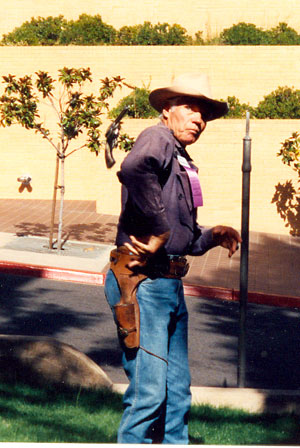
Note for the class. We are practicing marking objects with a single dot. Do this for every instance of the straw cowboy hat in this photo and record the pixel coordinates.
(191, 85)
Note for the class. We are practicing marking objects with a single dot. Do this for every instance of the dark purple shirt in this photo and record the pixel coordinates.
(156, 195)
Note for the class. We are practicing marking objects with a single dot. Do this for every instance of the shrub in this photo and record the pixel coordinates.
(148, 34)
(138, 101)
(244, 34)
(236, 109)
(174, 35)
(91, 30)
(283, 35)
(128, 35)
(284, 102)
(88, 30)
(40, 31)
(197, 40)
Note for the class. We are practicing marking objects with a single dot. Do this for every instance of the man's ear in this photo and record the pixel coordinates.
(165, 112)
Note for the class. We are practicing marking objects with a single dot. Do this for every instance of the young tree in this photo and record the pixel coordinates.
(287, 196)
(78, 114)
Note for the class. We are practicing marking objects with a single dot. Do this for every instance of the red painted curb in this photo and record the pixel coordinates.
(52, 273)
(233, 295)
(94, 278)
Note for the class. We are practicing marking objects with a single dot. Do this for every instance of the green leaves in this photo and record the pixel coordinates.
(78, 113)
(44, 83)
(109, 85)
(72, 76)
(244, 34)
(126, 142)
(284, 102)
(19, 104)
(249, 34)
(40, 31)
(138, 102)
(91, 30)
(148, 34)
(290, 152)
(87, 30)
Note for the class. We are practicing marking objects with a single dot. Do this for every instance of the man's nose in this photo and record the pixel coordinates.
(198, 119)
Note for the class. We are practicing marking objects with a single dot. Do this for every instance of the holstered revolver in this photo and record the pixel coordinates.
(111, 136)
(127, 310)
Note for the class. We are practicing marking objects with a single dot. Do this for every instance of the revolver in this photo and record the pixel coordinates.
(111, 136)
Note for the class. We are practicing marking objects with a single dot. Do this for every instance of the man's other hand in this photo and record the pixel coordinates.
(227, 237)
(146, 247)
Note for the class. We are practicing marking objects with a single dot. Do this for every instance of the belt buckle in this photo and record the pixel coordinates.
(179, 264)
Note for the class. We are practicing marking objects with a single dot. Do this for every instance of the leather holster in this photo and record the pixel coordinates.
(127, 311)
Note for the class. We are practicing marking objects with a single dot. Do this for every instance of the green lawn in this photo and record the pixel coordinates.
(29, 414)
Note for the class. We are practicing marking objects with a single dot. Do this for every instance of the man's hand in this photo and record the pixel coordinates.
(227, 237)
(146, 247)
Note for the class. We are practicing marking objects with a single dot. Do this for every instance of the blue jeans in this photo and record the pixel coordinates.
(157, 400)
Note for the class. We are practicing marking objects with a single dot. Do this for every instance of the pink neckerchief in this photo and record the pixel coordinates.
(194, 181)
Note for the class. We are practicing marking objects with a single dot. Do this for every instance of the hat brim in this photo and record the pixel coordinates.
(216, 109)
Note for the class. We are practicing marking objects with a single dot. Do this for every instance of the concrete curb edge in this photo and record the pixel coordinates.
(249, 400)
(98, 279)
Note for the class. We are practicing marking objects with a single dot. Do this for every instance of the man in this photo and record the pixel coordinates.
(157, 228)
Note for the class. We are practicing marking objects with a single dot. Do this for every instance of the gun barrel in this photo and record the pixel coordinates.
(114, 124)
(121, 114)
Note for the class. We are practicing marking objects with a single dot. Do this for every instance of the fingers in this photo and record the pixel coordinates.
(139, 247)
(131, 248)
(228, 238)
(135, 263)
(233, 248)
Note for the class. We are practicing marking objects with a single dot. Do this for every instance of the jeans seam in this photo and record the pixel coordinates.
(153, 354)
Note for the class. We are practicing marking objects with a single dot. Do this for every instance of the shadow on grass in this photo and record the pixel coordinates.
(54, 414)
(63, 415)
(232, 427)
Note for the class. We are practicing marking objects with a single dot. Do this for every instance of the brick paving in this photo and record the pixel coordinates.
(274, 260)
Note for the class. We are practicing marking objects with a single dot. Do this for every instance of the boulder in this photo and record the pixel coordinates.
(43, 360)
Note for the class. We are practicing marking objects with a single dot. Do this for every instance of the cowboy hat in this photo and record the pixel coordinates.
(190, 85)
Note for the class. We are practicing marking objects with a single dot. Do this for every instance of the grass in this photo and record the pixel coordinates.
(29, 414)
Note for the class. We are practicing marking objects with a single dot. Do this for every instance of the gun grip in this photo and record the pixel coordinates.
(109, 159)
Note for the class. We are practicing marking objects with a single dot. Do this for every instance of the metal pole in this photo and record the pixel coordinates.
(246, 169)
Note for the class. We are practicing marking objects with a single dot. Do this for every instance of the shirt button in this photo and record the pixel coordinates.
(180, 196)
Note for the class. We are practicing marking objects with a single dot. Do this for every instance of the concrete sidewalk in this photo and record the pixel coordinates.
(274, 260)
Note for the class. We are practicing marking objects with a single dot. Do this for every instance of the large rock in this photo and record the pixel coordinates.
(42, 360)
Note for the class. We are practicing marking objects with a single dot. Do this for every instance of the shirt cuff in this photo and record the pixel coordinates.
(204, 243)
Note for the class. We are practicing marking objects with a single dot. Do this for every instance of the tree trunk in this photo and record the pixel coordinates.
(61, 209)
(54, 203)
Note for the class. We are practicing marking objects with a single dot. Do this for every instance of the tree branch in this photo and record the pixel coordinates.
(74, 150)
(49, 140)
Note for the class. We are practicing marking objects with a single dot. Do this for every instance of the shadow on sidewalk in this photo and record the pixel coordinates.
(92, 232)
(274, 262)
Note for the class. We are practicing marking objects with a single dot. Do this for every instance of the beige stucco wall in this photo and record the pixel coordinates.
(218, 154)
(209, 16)
(246, 72)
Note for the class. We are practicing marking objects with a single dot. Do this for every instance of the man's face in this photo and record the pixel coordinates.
(186, 120)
